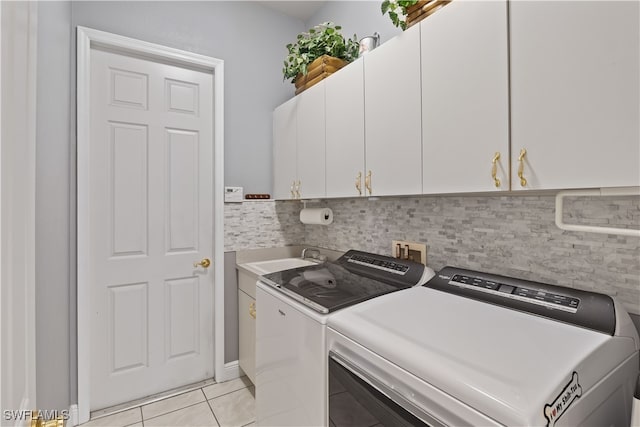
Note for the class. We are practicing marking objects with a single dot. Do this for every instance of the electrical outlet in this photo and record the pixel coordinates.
(409, 250)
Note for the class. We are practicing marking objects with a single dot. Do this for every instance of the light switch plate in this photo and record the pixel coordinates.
(417, 251)
(233, 194)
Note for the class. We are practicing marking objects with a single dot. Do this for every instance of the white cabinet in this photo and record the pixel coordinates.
(465, 98)
(392, 115)
(344, 95)
(285, 171)
(247, 324)
(311, 142)
(575, 93)
(299, 146)
(247, 335)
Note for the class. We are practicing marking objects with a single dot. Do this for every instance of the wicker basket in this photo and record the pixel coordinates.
(422, 9)
(318, 70)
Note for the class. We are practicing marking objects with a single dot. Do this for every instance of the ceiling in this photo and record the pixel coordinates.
(302, 10)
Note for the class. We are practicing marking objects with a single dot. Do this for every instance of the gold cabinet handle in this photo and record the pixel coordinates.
(367, 182)
(205, 263)
(494, 169)
(252, 309)
(359, 183)
(523, 180)
(293, 189)
(298, 190)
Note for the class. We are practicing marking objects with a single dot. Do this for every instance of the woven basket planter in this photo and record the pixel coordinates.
(318, 70)
(422, 9)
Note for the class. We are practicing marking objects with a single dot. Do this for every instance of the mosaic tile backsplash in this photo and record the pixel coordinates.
(512, 236)
(509, 235)
(261, 224)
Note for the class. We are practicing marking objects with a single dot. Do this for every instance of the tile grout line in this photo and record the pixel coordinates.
(224, 394)
(171, 412)
(210, 408)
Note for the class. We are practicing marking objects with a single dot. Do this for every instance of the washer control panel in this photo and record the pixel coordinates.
(532, 296)
(380, 264)
(401, 273)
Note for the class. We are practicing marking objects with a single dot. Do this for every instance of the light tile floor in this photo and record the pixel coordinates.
(228, 404)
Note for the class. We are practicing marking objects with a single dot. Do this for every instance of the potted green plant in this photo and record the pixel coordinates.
(405, 13)
(397, 10)
(314, 50)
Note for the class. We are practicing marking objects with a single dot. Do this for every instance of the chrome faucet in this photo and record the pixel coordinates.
(315, 253)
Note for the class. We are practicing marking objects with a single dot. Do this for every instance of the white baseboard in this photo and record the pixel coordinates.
(73, 416)
(231, 371)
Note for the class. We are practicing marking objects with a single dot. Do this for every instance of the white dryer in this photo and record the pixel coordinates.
(476, 349)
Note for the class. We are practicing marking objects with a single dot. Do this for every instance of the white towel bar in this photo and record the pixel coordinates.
(602, 192)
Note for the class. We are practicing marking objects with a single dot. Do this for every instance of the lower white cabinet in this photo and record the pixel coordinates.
(247, 324)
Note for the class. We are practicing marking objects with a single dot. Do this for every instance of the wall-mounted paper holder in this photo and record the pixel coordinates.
(601, 192)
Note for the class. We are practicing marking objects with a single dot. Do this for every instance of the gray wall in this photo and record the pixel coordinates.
(55, 352)
(360, 17)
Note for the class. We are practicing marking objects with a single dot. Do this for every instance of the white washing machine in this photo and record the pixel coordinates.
(293, 307)
(476, 349)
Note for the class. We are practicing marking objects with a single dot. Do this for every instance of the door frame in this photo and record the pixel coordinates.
(88, 38)
(17, 209)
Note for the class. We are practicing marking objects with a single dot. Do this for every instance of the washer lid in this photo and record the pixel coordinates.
(504, 363)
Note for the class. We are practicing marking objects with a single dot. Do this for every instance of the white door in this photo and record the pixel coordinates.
(150, 204)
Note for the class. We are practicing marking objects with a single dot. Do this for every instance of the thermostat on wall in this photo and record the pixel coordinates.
(233, 194)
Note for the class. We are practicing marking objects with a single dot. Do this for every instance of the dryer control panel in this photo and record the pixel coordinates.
(534, 296)
(590, 310)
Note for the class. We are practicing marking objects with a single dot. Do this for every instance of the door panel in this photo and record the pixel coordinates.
(183, 320)
(151, 198)
(182, 185)
(128, 188)
(128, 327)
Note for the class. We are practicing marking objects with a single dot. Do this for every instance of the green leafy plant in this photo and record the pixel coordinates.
(323, 39)
(397, 10)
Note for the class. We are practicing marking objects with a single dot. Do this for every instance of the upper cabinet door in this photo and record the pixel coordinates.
(311, 142)
(465, 98)
(575, 94)
(344, 94)
(284, 150)
(392, 115)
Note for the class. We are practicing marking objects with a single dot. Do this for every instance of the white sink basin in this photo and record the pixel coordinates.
(266, 267)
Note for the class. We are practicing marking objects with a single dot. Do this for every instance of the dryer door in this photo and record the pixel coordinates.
(355, 399)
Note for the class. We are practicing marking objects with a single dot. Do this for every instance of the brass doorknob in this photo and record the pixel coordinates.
(205, 263)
